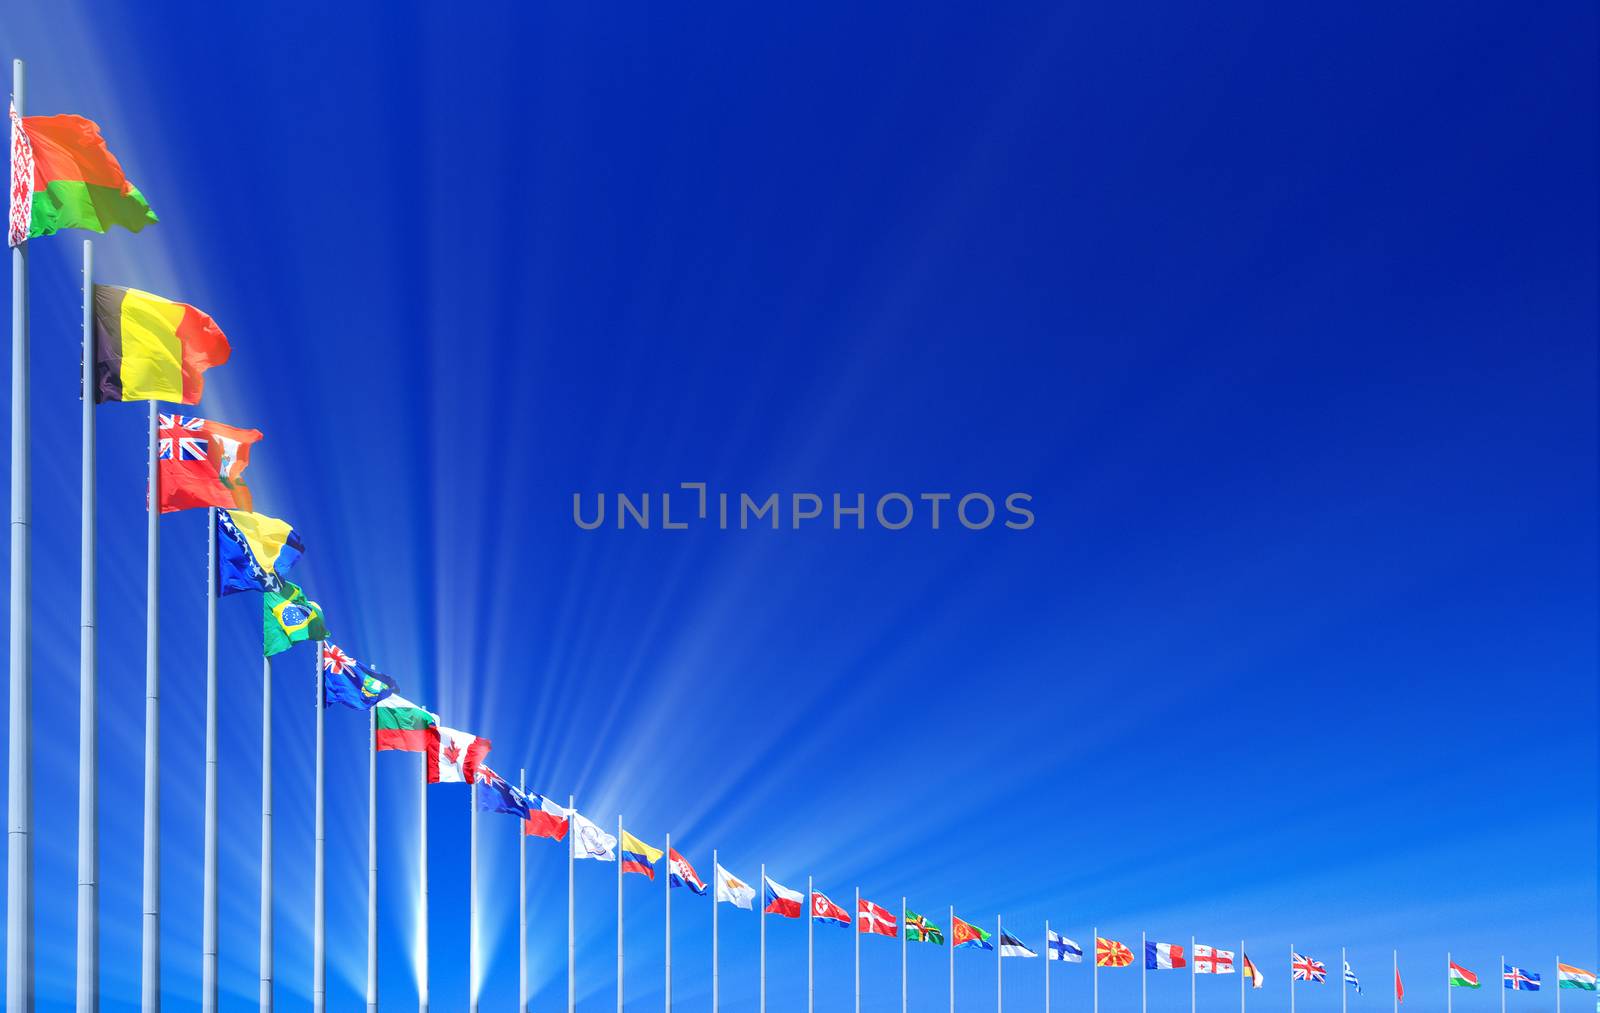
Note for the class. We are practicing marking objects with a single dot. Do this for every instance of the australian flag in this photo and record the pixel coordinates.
(346, 680)
(497, 795)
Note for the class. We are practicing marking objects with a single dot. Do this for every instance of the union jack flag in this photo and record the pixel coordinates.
(1306, 969)
(183, 437)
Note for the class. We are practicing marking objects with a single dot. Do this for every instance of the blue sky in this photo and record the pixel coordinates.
(1284, 317)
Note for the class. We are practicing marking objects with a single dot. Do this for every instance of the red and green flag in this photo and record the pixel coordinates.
(64, 177)
(402, 724)
(1460, 977)
(963, 934)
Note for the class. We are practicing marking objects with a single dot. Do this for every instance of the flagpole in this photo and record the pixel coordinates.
(1291, 978)
(19, 795)
(424, 1000)
(1194, 969)
(1502, 983)
(208, 931)
(858, 949)
(572, 864)
(1096, 973)
(1047, 952)
(763, 920)
(811, 925)
(1396, 995)
(150, 943)
(999, 965)
(522, 901)
(903, 956)
(319, 905)
(1242, 959)
(88, 689)
(619, 914)
(1449, 994)
(472, 896)
(952, 944)
(668, 887)
(1344, 982)
(716, 884)
(1558, 983)
(264, 960)
(372, 861)
(1144, 975)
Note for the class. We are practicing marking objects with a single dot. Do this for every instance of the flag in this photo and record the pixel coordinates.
(780, 900)
(592, 842)
(453, 756)
(920, 930)
(1399, 986)
(1306, 969)
(254, 552)
(733, 890)
(1568, 976)
(1011, 946)
(1163, 956)
(1460, 977)
(1519, 980)
(681, 873)
(152, 349)
(64, 177)
(874, 920)
(545, 819)
(288, 617)
(1110, 953)
(1252, 972)
(1062, 948)
(962, 934)
(199, 463)
(494, 794)
(825, 910)
(346, 680)
(1210, 960)
(403, 725)
(1351, 979)
(639, 857)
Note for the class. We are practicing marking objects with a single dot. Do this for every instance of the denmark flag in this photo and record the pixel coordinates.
(870, 918)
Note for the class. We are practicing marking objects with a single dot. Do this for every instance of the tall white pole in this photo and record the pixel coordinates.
(903, 941)
(150, 944)
(619, 914)
(858, 949)
(319, 903)
(763, 920)
(667, 886)
(1395, 986)
(208, 907)
(372, 861)
(1144, 975)
(1344, 984)
(999, 965)
(88, 682)
(1291, 978)
(716, 882)
(1558, 980)
(264, 960)
(1095, 974)
(1241, 976)
(472, 897)
(1194, 969)
(424, 997)
(811, 924)
(1503, 983)
(19, 795)
(1047, 952)
(1449, 993)
(572, 864)
(522, 902)
(951, 942)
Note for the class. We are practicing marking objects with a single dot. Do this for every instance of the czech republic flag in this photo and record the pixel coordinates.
(780, 900)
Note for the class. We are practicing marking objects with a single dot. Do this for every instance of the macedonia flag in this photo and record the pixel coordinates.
(152, 349)
(1110, 953)
(64, 177)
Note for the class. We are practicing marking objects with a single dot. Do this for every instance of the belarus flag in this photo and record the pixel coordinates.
(780, 900)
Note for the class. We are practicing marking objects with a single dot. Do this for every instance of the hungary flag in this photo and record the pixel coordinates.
(402, 724)
(1460, 977)
(64, 177)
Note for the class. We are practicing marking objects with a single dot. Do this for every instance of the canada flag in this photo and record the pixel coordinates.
(825, 910)
(453, 756)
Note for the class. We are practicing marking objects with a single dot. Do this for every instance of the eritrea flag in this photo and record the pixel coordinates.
(64, 177)
(962, 934)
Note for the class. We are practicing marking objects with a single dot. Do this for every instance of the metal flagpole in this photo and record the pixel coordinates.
(522, 901)
(19, 795)
(903, 956)
(1558, 980)
(1095, 974)
(952, 943)
(1449, 994)
(88, 690)
(372, 861)
(1144, 975)
(319, 904)
(763, 921)
(150, 944)
(572, 864)
(716, 885)
(264, 960)
(668, 887)
(208, 931)
(1344, 983)
(1291, 978)
(1047, 952)
(1503, 983)
(619, 914)
(472, 897)
(1194, 969)
(1242, 959)
(1396, 986)
(999, 965)
(424, 999)
(811, 924)
(858, 949)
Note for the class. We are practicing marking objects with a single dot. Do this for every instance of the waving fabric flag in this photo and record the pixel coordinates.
(681, 873)
(1011, 946)
(874, 920)
(402, 725)
(345, 680)
(826, 911)
(639, 857)
(200, 463)
(1460, 977)
(289, 618)
(148, 348)
(1110, 953)
(1163, 956)
(1519, 980)
(1351, 979)
(1210, 960)
(254, 552)
(780, 900)
(1062, 948)
(1568, 976)
(64, 177)
(545, 819)
(1399, 986)
(1252, 972)
(497, 795)
(920, 930)
(453, 756)
(1306, 969)
(733, 890)
(962, 934)
(592, 842)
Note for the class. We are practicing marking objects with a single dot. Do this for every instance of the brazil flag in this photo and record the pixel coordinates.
(289, 617)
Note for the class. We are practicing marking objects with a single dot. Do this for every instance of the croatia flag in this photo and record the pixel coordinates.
(780, 900)
(1163, 956)
(681, 873)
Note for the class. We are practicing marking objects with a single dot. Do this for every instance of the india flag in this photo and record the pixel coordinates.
(1574, 977)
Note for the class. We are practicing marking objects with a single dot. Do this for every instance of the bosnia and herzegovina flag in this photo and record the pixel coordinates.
(64, 177)
(639, 857)
(254, 552)
(152, 349)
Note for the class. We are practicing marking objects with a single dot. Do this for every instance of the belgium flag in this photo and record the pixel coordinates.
(152, 349)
